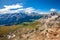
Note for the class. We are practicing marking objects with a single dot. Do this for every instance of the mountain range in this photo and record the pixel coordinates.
(17, 18)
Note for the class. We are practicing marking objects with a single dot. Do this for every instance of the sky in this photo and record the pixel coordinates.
(29, 5)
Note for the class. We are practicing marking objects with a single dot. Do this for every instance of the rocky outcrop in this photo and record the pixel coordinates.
(48, 30)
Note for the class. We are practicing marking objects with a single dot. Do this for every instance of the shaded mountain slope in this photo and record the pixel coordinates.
(17, 18)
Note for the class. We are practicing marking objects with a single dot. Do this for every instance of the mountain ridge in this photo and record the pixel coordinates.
(16, 18)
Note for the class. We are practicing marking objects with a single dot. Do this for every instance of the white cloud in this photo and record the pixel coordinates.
(18, 8)
(13, 6)
(43, 12)
(53, 9)
(7, 8)
(29, 10)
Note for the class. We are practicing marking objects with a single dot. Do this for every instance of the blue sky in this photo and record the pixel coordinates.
(42, 5)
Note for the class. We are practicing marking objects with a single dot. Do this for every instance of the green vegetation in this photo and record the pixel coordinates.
(58, 24)
(50, 24)
(6, 29)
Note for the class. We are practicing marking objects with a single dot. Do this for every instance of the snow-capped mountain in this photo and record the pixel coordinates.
(16, 18)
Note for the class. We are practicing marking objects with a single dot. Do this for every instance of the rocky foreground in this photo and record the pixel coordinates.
(46, 29)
